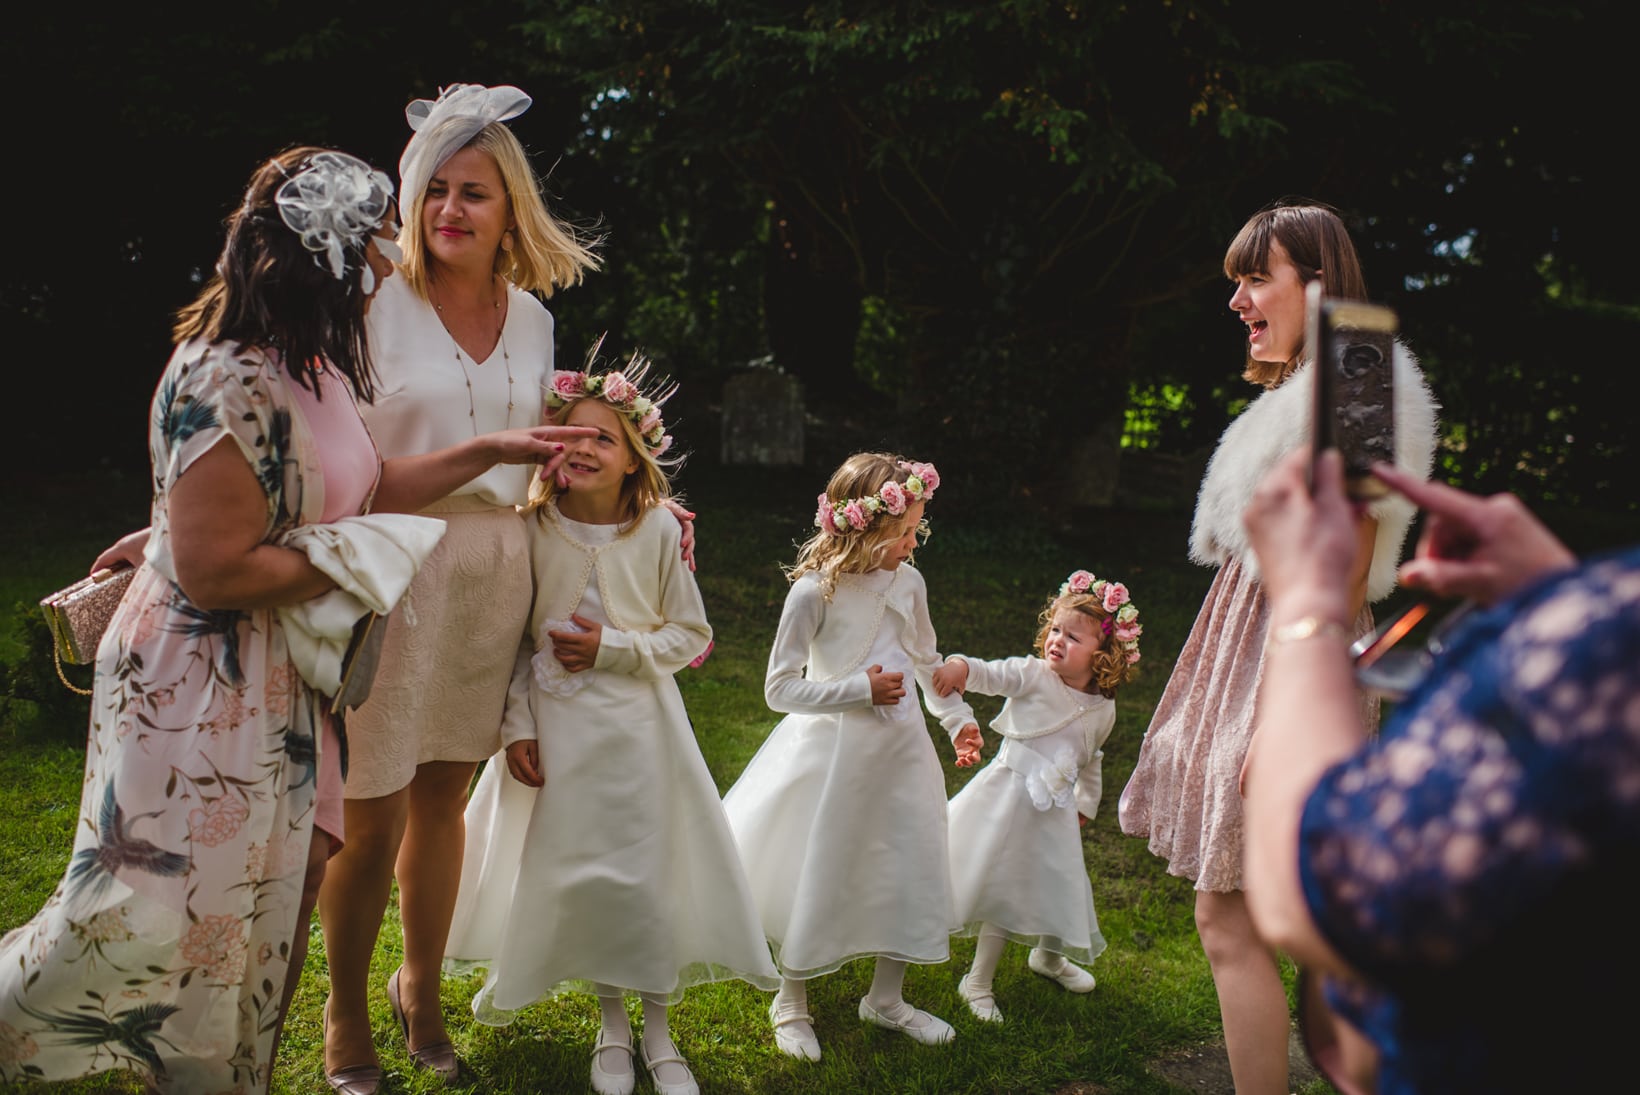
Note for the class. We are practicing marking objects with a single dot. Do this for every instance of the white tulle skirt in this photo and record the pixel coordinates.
(621, 871)
(840, 821)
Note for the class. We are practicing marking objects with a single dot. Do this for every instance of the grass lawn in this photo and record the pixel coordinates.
(987, 579)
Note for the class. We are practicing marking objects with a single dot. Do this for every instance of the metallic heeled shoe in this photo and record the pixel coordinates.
(354, 1079)
(438, 1057)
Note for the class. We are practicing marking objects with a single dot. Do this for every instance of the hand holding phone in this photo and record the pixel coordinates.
(1354, 344)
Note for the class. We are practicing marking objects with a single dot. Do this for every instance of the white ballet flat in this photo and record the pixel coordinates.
(794, 1032)
(982, 1004)
(612, 1083)
(688, 1087)
(915, 1024)
(1071, 977)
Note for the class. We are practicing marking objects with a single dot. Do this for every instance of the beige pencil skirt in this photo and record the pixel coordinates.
(448, 653)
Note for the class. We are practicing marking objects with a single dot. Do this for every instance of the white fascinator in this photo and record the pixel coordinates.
(443, 125)
(335, 203)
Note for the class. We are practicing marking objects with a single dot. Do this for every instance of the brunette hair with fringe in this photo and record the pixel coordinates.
(268, 292)
(1110, 665)
(547, 253)
(849, 550)
(1314, 237)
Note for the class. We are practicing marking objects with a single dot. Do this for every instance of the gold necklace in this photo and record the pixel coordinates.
(501, 341)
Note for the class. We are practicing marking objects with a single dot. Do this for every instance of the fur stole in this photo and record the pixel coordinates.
(1277, 422)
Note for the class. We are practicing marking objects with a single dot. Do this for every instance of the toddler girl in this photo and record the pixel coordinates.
(840, 816)
(1016, 864)
(604, 863)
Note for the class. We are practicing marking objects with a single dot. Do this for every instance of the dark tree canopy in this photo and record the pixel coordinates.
(983, 221)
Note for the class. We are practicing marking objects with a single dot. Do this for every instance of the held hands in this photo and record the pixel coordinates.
(886, 688)
(951, 677)
(1480, 548)
(577, 650)
(524, 763)
(968, 742)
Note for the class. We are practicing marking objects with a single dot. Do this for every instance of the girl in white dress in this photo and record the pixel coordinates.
(840, 816)
(1016, 852)
(603, 863)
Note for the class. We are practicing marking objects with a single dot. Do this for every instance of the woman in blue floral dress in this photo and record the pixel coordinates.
(213, 771)
(1463, 883)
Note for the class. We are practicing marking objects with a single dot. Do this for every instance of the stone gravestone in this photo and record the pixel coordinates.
(763, 419)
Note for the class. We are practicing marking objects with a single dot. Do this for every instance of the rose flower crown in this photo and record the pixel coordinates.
(1123, 622)
(892, 498)
(622, 389)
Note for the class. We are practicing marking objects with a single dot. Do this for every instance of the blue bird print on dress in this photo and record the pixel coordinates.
(129, 1035)
(116, 848)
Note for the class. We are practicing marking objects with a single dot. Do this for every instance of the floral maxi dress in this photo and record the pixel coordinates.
(166, 945)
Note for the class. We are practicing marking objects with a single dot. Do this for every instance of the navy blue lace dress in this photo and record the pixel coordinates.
(1475, 862)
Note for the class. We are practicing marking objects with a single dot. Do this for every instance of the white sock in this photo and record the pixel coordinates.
(987, 952)
(793, 996)
(657, 1042)
(619, 1028)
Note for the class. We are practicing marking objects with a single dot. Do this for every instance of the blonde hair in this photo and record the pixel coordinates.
(849, 550)
(1110, 664)
(547, 253)
(1314, 237)
(645, 487)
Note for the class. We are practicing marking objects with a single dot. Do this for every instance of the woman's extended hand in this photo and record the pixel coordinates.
(686, 519)
(126, 551)
(577, 650)
(1475, 547)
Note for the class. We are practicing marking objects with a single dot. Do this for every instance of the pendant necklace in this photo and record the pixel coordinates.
(461, 360)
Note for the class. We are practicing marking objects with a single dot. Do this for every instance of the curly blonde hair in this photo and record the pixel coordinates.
(849, 550)
(1110, 665)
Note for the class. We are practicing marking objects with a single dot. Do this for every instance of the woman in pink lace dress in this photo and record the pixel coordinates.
(1184, 796)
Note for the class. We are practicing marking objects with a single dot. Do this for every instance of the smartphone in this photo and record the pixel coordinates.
(1354, 345)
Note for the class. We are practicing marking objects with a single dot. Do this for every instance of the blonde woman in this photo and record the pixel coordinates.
(462, 346)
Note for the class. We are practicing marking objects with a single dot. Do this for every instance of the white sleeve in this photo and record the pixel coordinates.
(785, 688)
(1090, 787)
(952, 711)
(1002, 677)
(517, 720)
(660, 653)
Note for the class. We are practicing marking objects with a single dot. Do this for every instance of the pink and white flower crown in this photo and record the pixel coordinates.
(1123, 622)
(622, 389)
(892, 498)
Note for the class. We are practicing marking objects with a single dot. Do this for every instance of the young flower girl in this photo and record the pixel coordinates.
(1016, 852)
(604, 862)
(840, 816)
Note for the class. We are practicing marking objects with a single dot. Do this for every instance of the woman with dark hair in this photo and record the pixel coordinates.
(212, 795)
(1184, 796)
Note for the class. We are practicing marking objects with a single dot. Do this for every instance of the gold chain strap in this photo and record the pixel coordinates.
(57, 660)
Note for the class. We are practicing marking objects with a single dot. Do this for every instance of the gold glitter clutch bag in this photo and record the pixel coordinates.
(79, 614)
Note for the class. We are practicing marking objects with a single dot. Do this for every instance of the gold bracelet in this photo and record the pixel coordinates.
(1308, 627)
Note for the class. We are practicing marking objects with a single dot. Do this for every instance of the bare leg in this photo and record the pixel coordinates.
(1252, 1001)
(352, 902)
(429, 871)
(318, 856)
